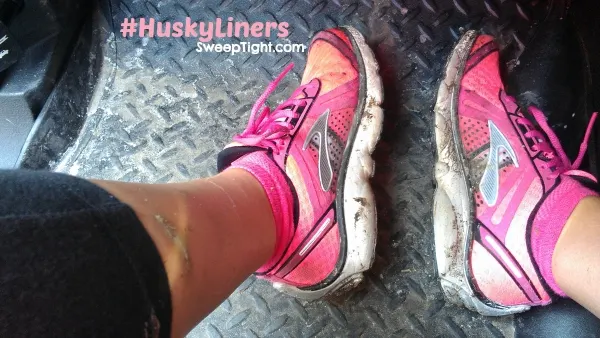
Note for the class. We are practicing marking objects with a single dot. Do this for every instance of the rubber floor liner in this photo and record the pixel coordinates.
(162, 111)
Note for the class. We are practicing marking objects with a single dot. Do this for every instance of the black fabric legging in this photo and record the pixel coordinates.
(76, 262)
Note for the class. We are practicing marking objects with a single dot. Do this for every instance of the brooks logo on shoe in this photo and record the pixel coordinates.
(319, 130)
(490, 181)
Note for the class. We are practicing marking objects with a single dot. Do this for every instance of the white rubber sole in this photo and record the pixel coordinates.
(359, 202)
(453, 210)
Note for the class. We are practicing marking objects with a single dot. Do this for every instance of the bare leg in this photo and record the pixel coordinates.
(211, 234)
(576, 258)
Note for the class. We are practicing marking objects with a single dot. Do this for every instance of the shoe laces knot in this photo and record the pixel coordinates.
(269, 129)
(546, 142)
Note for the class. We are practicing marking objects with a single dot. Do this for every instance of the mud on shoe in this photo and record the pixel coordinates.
(505, 188)
(312, 154)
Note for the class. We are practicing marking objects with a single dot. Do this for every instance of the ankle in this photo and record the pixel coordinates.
(235, 200)
(277, 190)
(574, 242)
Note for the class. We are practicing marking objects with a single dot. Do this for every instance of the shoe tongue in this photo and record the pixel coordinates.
(229, 155)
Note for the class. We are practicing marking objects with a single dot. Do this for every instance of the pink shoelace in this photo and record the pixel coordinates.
(268, 128)
(554, 151)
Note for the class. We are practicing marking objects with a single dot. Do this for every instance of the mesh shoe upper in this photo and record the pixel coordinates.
(306, 137)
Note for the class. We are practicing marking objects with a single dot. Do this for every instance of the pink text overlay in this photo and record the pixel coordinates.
(204, 31)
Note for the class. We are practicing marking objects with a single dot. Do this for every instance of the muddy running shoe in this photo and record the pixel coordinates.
(312, 154)
(505, 188)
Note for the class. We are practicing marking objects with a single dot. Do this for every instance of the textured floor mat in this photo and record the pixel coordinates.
(162, 111)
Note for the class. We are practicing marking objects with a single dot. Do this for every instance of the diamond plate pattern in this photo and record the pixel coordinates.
(164, 111)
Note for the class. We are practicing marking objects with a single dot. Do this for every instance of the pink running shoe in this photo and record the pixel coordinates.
(505, 188)
(312, 154)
